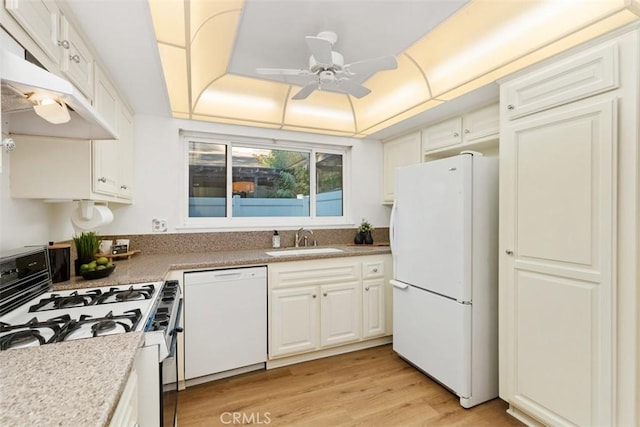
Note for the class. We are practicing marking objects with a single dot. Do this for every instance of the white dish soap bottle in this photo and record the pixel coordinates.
(275, 240)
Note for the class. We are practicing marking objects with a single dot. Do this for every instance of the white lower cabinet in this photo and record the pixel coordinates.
(373, 308)
(340, 313)
(294, 320)
(323, 304)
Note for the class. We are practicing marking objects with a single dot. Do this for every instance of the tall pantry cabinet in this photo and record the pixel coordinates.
(569, 234)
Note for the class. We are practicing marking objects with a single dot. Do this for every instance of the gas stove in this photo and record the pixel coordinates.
(32, 318)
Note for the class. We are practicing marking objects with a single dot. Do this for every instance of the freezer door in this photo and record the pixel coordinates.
(432, 226)
(434, 334)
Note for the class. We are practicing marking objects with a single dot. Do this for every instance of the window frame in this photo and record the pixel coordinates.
(229, 222)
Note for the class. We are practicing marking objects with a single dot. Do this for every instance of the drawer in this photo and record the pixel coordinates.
(372, 269)
(579, 76)
(312, 273)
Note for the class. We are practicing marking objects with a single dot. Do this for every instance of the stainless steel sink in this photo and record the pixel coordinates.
(303, 251)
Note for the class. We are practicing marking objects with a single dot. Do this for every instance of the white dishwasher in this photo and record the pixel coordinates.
(225, 322)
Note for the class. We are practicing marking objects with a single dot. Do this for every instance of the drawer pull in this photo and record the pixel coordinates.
(102, 180)
(510, 107)
(64, 43)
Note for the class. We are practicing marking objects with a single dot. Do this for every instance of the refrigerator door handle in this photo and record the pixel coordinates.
(398, 285)
(391, 227)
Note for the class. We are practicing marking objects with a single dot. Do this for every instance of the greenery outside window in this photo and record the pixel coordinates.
(253, 179)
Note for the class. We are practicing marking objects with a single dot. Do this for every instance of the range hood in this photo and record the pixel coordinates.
(23, 83)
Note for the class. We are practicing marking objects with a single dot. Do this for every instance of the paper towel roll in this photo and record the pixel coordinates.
(100, 216)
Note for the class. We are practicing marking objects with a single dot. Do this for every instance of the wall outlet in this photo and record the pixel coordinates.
(159, 225)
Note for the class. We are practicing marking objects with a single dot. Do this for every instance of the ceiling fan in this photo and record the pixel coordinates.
(329, 70)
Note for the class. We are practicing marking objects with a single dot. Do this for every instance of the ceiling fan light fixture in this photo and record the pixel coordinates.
(329, 70)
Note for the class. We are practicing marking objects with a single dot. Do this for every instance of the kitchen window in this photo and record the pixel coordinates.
(257, 182)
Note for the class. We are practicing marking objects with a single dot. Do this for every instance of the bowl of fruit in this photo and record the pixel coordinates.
(97, 269)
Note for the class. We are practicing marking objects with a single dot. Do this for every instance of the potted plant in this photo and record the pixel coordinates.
(364, 233)
(86, 248)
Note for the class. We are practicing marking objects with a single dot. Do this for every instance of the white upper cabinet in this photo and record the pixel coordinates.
(481, 123)
(398, 152)
(41, 20)
(462, 132)
(44, 22)
(113, 159)
(76, 61)
(443, 134)
(584, 75)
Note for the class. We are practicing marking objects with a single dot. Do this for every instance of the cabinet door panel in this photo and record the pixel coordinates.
(403, 151)
(105, 166)
(340, 313)
(39, 18)
(77, 61)
(294, 321)
(373, 308)
(442, 134)
(551, 367)
(575, 78)
(481, 123)
(557, 180)
(125, 155)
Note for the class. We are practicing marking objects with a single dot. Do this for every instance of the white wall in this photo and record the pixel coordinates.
(159, 168)
(22, 222)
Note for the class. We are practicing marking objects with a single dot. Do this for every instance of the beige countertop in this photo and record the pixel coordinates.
(79, 382)
(74, 383)
(151, 268)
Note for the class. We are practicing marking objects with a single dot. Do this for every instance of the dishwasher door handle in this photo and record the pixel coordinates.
(227, 276)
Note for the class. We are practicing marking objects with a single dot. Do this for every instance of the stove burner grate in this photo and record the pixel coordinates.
(128, 321)
(74, 299)
(30, 332)
(114, 295)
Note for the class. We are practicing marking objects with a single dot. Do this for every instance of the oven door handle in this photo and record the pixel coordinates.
(175, 331)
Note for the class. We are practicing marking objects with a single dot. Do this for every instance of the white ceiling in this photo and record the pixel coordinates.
(271, 32)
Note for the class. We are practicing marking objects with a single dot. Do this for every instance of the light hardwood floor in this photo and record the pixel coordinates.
(371, 387)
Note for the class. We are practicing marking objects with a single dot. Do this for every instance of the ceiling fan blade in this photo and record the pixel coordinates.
(306, 91)
(352, 88)
(282, 72)
(320, 49)
(372, 65)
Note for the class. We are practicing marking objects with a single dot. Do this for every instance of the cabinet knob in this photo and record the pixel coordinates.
(467, 131)
(508, 252)
(375, 270)
(102, 179)
(366, 289)
(123, 187)
(314, 295)
(64, 43)
(456, 134)
(324, 294)
(510, 107)
(75, 58)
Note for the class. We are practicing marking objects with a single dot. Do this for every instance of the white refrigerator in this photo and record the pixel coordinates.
(444, 237)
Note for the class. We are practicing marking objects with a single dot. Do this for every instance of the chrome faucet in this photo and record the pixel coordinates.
(300, 236)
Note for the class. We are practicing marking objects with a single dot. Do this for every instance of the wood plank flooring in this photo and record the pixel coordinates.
(371, 387)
